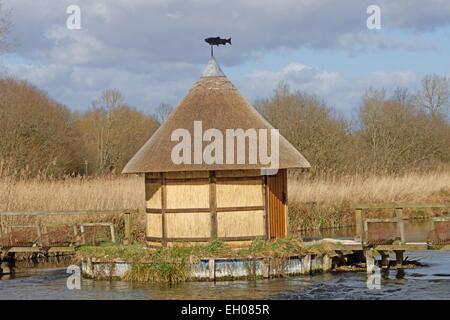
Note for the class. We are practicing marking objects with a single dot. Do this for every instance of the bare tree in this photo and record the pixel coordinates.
(401, 95)
(112, 132)
(103, 108)
(434, 94)
(310, 125)
(5, 28)
(162, 112)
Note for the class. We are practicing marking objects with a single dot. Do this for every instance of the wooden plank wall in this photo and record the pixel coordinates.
(203, 205)
(277, 195)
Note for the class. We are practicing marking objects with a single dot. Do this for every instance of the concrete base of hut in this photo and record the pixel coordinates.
(216, 269)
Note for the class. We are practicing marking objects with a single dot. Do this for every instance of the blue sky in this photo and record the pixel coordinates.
(153, 51)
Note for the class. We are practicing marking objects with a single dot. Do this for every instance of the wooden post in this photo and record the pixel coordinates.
(306, 268)
(212, 269)
(10, 235)
(384, 259)
(432, 235)
(163, 210)
(326, 263)
(266, 268)
(113, 234)
(399, 258)
(47, 239)
(285, 201)
(213, 203)
(358, 225)
(38, 234)
(266, 209)
(400, 224)
(127, 221)
(83, 237)
(75, 235)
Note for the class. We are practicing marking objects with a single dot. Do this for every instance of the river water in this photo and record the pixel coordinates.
(428, 282)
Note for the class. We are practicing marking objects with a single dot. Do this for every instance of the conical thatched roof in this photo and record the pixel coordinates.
(218, 104)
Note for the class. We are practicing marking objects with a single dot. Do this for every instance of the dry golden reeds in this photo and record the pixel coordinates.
(328, 202)
(313, 203)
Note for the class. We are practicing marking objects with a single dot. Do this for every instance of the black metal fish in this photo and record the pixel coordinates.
(216, 41)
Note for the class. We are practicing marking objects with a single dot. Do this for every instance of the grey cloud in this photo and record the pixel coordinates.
(154, 50)
(116, 31)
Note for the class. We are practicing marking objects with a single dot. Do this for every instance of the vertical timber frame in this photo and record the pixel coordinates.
(286, 201)
(213, 203)
(265, 199)
(163, 209)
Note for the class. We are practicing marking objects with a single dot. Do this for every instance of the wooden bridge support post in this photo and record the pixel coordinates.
(5, 268)
(399, 258)
(384, 259)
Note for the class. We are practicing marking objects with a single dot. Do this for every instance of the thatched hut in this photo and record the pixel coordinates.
(200, 200)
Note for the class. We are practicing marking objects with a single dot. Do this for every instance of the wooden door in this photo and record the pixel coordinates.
(277, 204)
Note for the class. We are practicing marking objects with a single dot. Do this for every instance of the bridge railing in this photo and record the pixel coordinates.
(64, 228)
(423, 227)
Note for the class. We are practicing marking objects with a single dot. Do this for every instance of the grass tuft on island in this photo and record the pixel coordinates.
(172, 264)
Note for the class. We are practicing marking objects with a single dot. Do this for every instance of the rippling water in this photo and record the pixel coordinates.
(430, 282)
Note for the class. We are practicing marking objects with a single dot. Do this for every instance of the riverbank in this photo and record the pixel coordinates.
(213, 261)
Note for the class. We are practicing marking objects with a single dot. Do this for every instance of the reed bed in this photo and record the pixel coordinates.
(328, 202)
(72, 193)
(313, 203)
(410, 187)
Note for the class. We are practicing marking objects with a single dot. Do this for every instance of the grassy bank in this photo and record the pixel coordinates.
(314, 203)
(173, 264)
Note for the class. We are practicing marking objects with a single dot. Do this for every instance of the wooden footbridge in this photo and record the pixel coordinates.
(385, 229)
(60, 232)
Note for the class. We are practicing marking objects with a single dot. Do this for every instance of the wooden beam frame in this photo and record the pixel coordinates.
(204, 210)
(205, 180)
(265, 199)
(163, 209)
(110, 225)
(362, 223)
(65, 213)
(212, 209)
(203, 239)
(213, 203)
